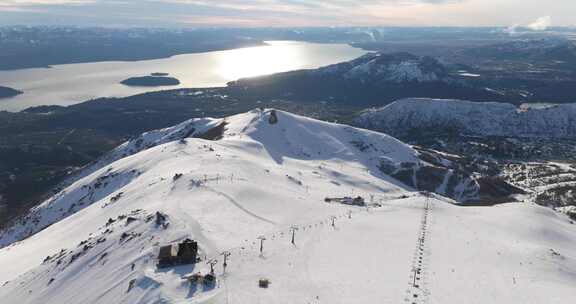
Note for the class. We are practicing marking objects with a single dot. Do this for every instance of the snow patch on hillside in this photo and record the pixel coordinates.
(394, 68)
(471, 118)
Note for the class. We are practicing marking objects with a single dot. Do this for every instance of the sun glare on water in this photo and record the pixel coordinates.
(278, 56)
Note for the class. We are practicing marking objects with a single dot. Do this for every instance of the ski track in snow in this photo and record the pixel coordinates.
(237, 204)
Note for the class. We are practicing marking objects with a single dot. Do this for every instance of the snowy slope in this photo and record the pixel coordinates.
(257, 178)
(191, 128)
(394, 68)
(99, 234)
(294, 137)
(471, 118)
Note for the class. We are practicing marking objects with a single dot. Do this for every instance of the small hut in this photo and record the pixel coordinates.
(166, 256)
(357, 201)
(273, 117)
(199, 278)
(187, 251)
(209, 279)
(178, 254)
(263, 283)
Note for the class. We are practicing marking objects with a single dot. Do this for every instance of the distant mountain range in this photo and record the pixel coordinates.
(43, 46)
(548, 49)
(6, 92)
(373, 79)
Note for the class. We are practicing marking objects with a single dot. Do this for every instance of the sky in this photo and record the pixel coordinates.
(284, 13)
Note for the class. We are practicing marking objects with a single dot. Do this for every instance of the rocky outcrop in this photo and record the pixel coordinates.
(451, 176)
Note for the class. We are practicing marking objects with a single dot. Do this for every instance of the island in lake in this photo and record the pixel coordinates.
(153, 80)
(6, 92)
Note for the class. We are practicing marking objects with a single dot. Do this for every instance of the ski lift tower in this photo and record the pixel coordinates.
(262, 239)
(293, 229)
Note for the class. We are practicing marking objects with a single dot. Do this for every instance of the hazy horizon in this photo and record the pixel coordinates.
(534, 14)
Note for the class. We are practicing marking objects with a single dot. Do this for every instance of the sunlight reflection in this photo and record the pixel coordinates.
(278, 56)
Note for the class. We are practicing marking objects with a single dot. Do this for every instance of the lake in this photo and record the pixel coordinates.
(73, 83)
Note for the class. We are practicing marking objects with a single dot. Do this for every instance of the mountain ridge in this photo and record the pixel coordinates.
(470, 118)
(383, 156)
(372, 79)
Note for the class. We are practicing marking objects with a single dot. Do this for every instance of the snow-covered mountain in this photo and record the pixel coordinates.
(377, 152)
(225, 182)
(394, 68)
(415, 115)
(414, 168)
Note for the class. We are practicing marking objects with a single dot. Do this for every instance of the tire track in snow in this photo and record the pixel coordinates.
(417, 292)
(238, 205)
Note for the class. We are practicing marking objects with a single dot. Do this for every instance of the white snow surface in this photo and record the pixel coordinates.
(394, 68)
(259, 180)
(406, 71)
(472, 118)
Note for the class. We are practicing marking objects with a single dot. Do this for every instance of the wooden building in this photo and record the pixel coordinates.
(185, 252)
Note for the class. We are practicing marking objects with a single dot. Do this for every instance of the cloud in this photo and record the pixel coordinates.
(207, 12)
(279, 12)
(540, 24)
(23, 3)
(512, 29)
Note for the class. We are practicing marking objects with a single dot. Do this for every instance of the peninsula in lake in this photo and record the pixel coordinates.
(6, 92)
